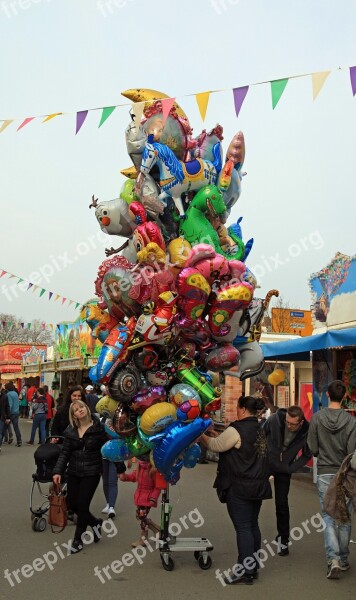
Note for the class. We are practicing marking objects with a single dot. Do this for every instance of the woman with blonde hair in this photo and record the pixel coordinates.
(81, 457)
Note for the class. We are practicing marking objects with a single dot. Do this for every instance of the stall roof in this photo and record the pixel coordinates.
(298, 349)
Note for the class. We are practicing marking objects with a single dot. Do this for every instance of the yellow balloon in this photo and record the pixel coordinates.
(130, 172)
(106, 404)
(280, 374)
(158, 417)
(178, 251)
(149, 96)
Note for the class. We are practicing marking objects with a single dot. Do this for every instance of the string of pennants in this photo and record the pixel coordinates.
(28, 285)
(23, 325)
(239, 94)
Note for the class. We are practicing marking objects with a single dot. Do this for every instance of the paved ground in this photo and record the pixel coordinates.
(300, 576)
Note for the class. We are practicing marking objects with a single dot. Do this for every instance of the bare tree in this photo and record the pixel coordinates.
(11, 331)
(281, 316)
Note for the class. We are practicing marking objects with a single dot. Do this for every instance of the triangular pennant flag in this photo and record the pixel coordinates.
(25, 122)
(63, 300)
(277, 88)
(35, 287)
(3, 273)
(167, 104)
(29, 325)
(70, 302)
(57, 296)
(29, 286)
(49, 117)
(203, 101)
(20, 280)
(318, 80)
(11, 276)
(107, 111)
(42, 292)
(239, 97)
(137, 112)
(3, 323)
(43, 325)
(50, 294)
(353, 79)
(77, 304)
(6, 124)
(22, 325)
(81, 116)
(51, 326)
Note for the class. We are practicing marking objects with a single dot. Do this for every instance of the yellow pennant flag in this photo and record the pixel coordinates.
(57, 296)
(318, 80)
(49, 117)
(203, 101)
(6, 124)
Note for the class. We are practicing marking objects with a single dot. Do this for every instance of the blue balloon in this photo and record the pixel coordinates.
(191, 456)
(116, 450)
(178, 437)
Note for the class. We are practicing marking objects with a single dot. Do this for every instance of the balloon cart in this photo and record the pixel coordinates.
(170, 544)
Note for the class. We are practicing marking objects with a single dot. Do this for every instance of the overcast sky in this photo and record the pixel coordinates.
(298, 198)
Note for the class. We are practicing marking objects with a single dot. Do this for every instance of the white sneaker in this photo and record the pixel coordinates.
(111, 513)
(105, 510)
(333, 571)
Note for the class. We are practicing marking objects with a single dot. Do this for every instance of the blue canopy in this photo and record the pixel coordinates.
(302, 346)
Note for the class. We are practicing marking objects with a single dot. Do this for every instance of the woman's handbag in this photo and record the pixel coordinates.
(57, 515)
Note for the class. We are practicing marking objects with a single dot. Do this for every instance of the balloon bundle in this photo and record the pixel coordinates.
(176, 300)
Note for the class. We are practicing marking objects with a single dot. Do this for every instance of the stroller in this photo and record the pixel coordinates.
(45, 457)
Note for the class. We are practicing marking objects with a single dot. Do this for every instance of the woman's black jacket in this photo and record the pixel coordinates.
(82, 455)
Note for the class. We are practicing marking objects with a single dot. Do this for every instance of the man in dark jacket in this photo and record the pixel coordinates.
(332, 436)
(4, 414)
(286, 433)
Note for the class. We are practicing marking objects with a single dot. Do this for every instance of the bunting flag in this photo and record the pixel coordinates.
(25, 122)
(107, 111)
(277, 88)
(37, 287)
(6, 124)
(353, 79)
(137, 112)
(81, 116)
(203, 101)
(49, 117)
(167, 104)
(239, 97)
(318, 80)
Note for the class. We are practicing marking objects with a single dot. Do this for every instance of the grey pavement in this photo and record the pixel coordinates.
(196, 510)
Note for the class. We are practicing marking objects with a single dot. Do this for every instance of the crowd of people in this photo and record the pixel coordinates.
(254, 451)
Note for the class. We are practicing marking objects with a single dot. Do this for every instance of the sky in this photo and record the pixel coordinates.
(297, 198)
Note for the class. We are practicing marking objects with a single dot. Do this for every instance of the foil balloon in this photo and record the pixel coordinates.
(114, 217)
(158, 417)
(181, 393)
(115, 450)
(178, 436)
(191, 456)
(122, 423)
(148, 397)
(222, 358)
(106, 405)
(108, 426)
(188, 410)
(113, 352)
(210, 396)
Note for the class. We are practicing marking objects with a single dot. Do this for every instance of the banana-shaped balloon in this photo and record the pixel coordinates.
(149, 96)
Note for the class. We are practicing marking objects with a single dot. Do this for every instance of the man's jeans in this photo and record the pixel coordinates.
(336, 536)
(15, 423)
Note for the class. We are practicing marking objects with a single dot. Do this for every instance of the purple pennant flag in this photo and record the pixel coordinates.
(81, 116)
(353, 79)
(50, 294)
(239, 97)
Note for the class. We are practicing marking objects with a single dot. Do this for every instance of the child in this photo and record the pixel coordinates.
(146, 496)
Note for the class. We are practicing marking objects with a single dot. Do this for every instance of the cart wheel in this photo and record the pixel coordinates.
(32, 517)
(34, 523)
(167, 563)
(197, 554)
(205, 565)
(41, 524)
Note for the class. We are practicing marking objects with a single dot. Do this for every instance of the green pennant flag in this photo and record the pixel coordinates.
(277, 88)
(77, 304)
(29, 325)
(107, 111)
(42, 292)
(20, 280)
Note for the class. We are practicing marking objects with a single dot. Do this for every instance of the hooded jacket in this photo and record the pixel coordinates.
(283, 461)
(332, 436)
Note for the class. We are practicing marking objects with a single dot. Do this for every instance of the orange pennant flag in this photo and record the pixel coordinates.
(49, 117)
(25, 122)
(203, 101)
(6, 124)
(318, 80)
